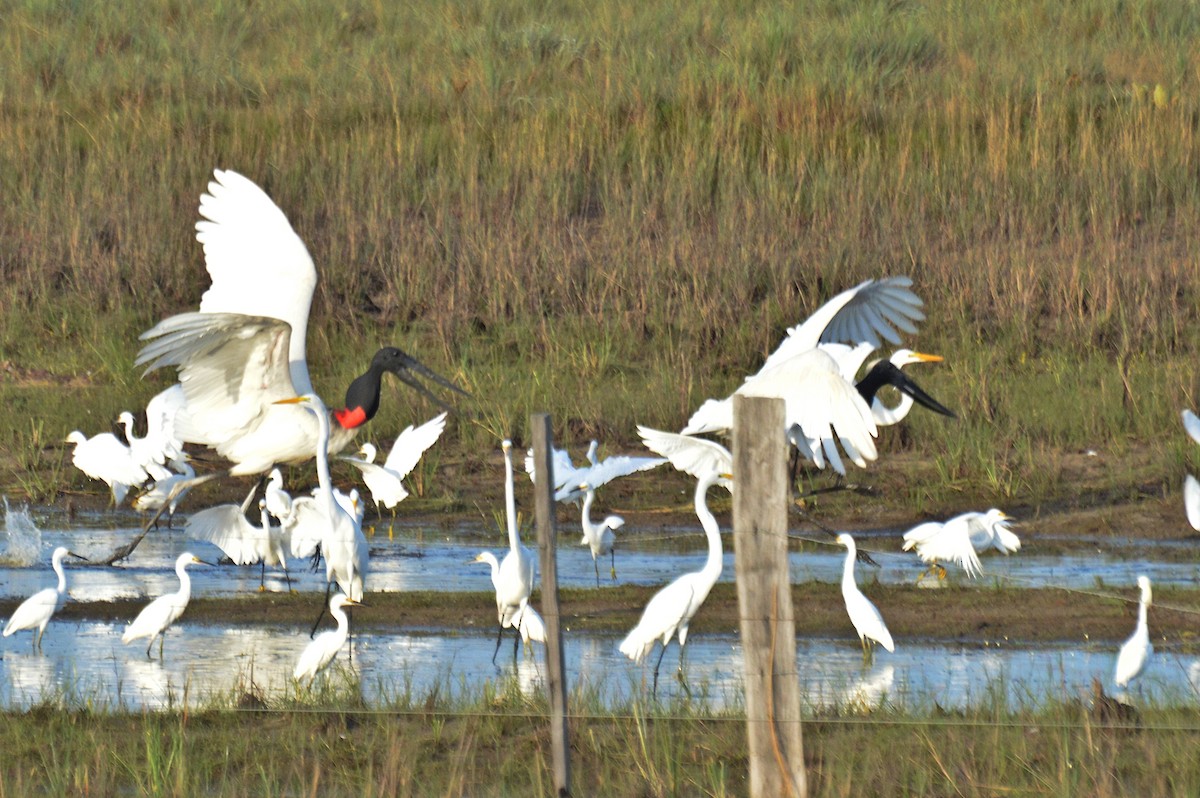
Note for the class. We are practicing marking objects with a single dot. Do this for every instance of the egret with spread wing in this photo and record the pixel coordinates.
(386, 481)
(962, 539)
(568, 478)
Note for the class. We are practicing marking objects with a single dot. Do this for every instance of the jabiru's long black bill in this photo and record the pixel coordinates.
(364, 391)
(412, 368)
(887, 373)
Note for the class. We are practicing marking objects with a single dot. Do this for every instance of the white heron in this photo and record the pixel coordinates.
(1191, 487)
(386, 481)
(325, 646)
(104, 457)
(863, 614)
(689, 454)
(245, 349)
(512, 577)
(569, 478)
(1137, 649)
(163, 490)
(671, 609)
(824, 404)
(962, 539)
(244, 542)
(343, 544)
(157, 616)
(530, 625)
(599, 537)
(279, 501)
(35, 612)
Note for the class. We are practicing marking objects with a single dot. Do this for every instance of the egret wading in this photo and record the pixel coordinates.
(512, 577)
(157, 616)
(325, 646)
(245, 349)
(1136, 651)
(962, 539)
(868, 623)
(35, 612)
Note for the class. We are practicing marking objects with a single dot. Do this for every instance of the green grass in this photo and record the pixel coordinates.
(494, 741)
(610, 213)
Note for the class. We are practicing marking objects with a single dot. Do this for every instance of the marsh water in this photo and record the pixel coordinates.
(86, 662)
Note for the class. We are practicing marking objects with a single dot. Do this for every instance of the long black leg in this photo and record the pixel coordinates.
(324, 604)
(657, 662)
(499, 634)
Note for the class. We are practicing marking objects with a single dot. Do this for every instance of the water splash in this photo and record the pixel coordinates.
(22, 538)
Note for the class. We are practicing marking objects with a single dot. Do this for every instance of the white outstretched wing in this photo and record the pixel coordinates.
(232, 368)
(696, 456)
(601, 473)
(226, 527)
(871, 312)
(412, 444)
(258, 265)
(1191, 424)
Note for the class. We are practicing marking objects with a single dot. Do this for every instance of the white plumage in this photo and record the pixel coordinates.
(569, 479)
(386, 481)
(105, 458)
(863, 614)
(671, 610)
(689, 454)
(244, 542)
(1137, 649)
(157, 616)
(35, 612)
(820, 401)
(600, 538)
(325, 646)
(962, 538)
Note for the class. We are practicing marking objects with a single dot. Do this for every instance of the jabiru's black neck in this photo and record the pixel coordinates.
(362, 399)
(886, 372)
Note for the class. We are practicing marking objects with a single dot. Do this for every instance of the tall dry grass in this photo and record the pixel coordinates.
(611, 212)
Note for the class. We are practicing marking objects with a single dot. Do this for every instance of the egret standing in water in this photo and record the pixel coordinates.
(1137, 649)
(600, 538)
(157, 616)
(671, 609)
(512, 577)
(325, 646)
(36, 611)
(863, 614)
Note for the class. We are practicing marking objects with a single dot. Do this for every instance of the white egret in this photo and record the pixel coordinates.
(962, 539)
(1137, 649)
(245, 349)
(246, 543)
(863, 614)
(1191, 500)
(823, 403)
(163, 490)
(343, 544)
(530, 625)
(386, 481)
(512, 577)
(279, 501)
(600, 537)
(157, 616)
(568, 478)
(325, 646)
(36, 611)
(671, 609)
(104, 457)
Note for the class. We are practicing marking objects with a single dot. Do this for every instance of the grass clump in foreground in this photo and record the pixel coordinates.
(496, 742)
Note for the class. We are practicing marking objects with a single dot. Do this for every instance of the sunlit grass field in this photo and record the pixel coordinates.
(610, 212)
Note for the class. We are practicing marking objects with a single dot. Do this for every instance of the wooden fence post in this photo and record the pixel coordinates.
(543, 439)
(764, 598)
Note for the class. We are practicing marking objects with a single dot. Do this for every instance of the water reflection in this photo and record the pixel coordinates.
(419, 560)
(86, 664)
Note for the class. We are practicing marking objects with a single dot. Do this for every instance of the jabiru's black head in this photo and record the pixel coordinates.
(362, 397)
(887, 373)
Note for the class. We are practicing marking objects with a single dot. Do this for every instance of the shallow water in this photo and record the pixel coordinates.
(86, 663)
(420, 559)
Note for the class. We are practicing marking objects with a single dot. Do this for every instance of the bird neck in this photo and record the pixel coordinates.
(324, 482)
(62, 576)
(1143, 606)
(185, 581)
(885, 415)
(586, 514)
(879, 376)
(339, 615)
(712, 531)
(362, 399)
(848, 582)
(510, 503)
